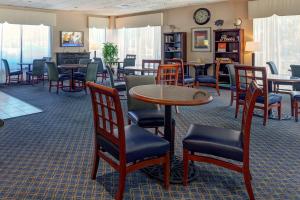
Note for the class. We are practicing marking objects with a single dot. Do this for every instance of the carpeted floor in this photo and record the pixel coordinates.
(48, 155)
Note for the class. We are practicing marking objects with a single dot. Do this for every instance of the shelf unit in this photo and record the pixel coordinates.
(229, 44)
(175, 45)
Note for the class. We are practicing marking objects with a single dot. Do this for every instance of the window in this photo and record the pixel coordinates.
(23, 43)
(279, 37)
(97, 37)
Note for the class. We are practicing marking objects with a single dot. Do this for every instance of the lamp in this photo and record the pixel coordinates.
(252, 47)
(94, 47)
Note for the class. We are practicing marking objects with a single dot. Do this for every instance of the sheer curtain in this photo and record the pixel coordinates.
(280, 41)
(97, 37)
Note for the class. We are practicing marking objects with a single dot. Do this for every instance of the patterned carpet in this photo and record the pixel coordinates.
(48, 155)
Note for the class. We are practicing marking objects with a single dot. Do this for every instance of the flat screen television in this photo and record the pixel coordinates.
(71, 39)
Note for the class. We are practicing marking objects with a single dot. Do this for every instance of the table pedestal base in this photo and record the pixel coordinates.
(176, 171)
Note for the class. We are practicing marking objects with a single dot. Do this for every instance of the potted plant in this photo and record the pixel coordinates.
(110, 53)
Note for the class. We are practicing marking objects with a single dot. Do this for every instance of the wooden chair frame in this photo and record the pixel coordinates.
(249, 105)
(296, 109)
(167, 74)
(215, 85)
(250, 73)
(107, 109)
(150, 64)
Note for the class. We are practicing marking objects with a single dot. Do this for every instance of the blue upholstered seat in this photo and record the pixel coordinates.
(140, 144)
(206, 79)
(188, 80)
(296, 95)
(215, 141)
(273, 98)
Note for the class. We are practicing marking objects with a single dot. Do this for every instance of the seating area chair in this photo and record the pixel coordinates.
(223, 143)
(90, 75)
(167, 74)
(129, 61)
(54, 76)
(82, 71)
(152, 64)
(10, 75)
(143, 114)
(101, 71)
(119, 86)
(274, 70)
(210, 81)
(38, 71)
(231, 72)
(183, 79)
(125, 148)
(295, 95)
(267, 101)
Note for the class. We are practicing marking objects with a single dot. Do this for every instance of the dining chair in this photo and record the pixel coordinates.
(167, 74)
(210, 81)
(183, 79)
(295, 69)
(38, 71)
(54, 76)
(125, 148)
(223, 143)
(13, 74)
(129, 61)
(82, 71)
(102, 71)
(119, 86)
(267, 101)
(90, 75)
(151, 64)
(146, 115)
(274, 70)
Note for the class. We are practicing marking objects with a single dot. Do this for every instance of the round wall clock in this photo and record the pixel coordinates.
(202, 16)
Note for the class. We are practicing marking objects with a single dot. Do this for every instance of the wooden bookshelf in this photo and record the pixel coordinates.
(228, 44)
(175, 45)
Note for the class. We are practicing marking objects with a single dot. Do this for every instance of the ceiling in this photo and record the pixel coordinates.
(105, 7)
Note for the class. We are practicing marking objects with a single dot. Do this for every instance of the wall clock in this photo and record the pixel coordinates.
(202, 16)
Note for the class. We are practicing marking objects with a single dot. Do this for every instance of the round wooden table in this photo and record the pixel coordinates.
(169, 95)
(72, 68)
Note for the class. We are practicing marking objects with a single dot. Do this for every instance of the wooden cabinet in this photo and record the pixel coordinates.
(71, 58)
(228, 47)
(174, 45)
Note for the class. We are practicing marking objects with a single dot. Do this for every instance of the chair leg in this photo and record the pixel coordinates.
(167, 171)
(279, 111)
(95, 165)
(185, 167)
(218, 89)
(247, 180)
(237, 108)
(129, 121)
(231, 98)
(296, 110)
(122, 181)
(156, 130)
(50, 82)
(292, 106)
(57, 87)
(177, 109)
(266, 115)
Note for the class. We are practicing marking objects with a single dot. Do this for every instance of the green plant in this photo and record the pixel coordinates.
(110, 52)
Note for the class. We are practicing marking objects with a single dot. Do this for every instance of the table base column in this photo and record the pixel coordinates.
(176, 175)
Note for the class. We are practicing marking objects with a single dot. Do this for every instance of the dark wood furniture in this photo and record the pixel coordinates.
(171, 95)
(55, 77)
(228, 46)
(71, 57)
(131, 147)
(119, 86)
(210, 81)
(72, 68)
(223, 143)
(295, 104)
(267, 101)
(129, 61)
(175, 45)
(167, 74)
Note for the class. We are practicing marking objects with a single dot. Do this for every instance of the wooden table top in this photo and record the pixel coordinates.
(283, 78)
(72, 66)
(170, 95)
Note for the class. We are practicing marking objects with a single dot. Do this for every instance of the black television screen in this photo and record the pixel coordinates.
(71, 39)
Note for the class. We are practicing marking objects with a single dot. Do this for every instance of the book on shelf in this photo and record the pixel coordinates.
(221, 47)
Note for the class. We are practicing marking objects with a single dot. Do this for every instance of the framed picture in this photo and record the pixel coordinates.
(201, 39)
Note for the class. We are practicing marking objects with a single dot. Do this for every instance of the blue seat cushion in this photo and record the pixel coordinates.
(140, 144)
(206, 79)
(148, 118)
(189, 80)
(15, 73)
(273, 98)
(120, 86)
(79, 74)
(296, 95)
(225, 143)
(63, 77)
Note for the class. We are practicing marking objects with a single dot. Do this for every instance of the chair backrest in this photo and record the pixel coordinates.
(108, 118)
(53, 74)
(252, 93)
(167, 74)
(38, 67)
(296, 72)
(132, 56)
(231, 72)
(246, 74)
(100, 65)
(179, 62)
(132, 81)
(6, 66)
(85, 61)
(129, 62)
(91, 72)
(272, 67)
(111, 76)
(47, 59)
(153, 64)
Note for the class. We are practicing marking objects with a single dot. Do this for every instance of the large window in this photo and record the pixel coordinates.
(97, 37)
(23, 43)
(280, 40)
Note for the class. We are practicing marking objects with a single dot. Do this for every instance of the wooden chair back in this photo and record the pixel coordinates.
(153, 64)
(180, 70)
(131, 56)
(167, 74)
(108, 117)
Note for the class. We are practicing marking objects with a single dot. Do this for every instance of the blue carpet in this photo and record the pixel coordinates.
(48, 155)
